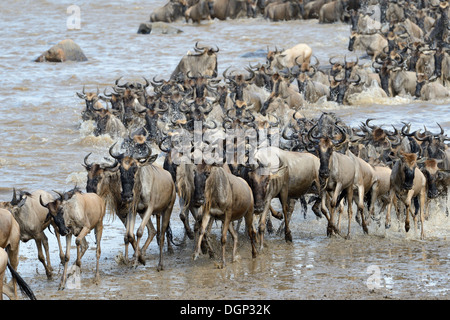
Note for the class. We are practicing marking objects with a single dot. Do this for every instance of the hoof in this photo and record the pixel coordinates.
(288, 237)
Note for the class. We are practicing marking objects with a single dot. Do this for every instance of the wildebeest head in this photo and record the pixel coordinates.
(91, 100)
(407, 168)
(129, 167)
(201, 174)
(431, 173)
(96, 173)
(16, 202)
(325, 147)
(56, 212)
(259, 184)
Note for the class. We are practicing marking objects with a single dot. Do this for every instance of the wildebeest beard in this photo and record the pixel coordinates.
(128, 181)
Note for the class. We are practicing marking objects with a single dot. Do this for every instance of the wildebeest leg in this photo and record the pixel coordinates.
(360, 206)
(13, 254)
(373, 199)
(139, 233)
(204, 224)
(98, 238)
(262, 224)
(387, 224)
(58, 239)
(165, 220)
(324, 208)
(206, 245)
(3, 264)
(422, 214)
(251, 231)
(129, 236)
(331, 228)
(151, 233)
(349, 208)
(225, 225)
(234, 235)
(41, 240)
(184, 216)
(408, 209)
(62, 285)
(79, 241)
(286, 204)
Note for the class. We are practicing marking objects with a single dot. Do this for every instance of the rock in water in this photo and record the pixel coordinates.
(66, 50)
(157, 28)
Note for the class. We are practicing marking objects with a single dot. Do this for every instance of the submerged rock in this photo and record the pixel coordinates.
(157, 28)
(66, 50)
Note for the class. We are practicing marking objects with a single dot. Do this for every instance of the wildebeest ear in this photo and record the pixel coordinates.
(22, 202)
(149, 160)
(153, 158)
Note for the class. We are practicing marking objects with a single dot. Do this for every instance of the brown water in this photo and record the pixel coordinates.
(43, 145)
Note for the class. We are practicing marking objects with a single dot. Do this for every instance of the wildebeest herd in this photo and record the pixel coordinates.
(230, 145)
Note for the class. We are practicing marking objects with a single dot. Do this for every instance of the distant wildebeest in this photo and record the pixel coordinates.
(203, 62)
(172, 11)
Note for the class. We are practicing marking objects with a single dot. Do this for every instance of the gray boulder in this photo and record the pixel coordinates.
(66, 50)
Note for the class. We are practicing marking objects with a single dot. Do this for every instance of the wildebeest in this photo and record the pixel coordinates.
(372, 44)
(22, 284)
(407, 182)
(227, 198)
(10, 240)
(302, 173)
(430, 90)
(92, 102)
(268, 182)
(199, 11)
(76, 213)
(297, 55)
(32, 219)
(149, 190)
(170, 12)
(312, 8)
(338, 174)
(232, 9)
(333, 11)
(203, 62)
(283, 10)
(104, 179)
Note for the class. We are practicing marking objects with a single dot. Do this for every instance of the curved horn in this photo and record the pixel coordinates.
(14, 200)
(311, 136)
(343, 136)
(115, 156)
(160, 144)
(87, 165)
(368, 125)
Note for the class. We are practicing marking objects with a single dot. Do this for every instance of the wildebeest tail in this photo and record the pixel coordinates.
(170, 236)
(24, 287)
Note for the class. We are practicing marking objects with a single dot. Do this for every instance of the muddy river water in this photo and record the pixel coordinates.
(43, 146)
